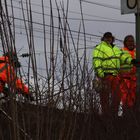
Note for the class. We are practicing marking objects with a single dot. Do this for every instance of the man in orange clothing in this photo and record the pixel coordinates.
(129, 45)
(8, 69)
(128, 84)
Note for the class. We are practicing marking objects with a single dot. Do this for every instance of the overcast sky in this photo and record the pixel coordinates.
(97, 19)
(93, 15)
(118, 29)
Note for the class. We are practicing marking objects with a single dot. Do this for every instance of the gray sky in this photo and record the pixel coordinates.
(94, 24)
(118, 29)
(92, 13)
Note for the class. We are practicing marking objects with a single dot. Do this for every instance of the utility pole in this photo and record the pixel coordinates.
(127, 7)
(137, 15)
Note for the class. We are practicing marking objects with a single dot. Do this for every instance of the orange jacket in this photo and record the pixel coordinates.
(132, 53)
(8, 75)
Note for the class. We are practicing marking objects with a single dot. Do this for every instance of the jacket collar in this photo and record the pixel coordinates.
(107, 44)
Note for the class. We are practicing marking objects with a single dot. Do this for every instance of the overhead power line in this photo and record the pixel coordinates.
(85, 19)
(48, 32)
(101, 4)
(39, 37)
(37, 23)
(70, 11)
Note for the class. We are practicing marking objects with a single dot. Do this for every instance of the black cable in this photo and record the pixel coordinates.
(41, 31)
(37, 23)
(48, 38)
(101, 4)
(107, 19)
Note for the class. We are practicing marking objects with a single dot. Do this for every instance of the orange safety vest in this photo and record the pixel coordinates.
(131, 52)
(7, 75)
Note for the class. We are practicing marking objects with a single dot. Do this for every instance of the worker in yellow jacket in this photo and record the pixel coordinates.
(107, 59)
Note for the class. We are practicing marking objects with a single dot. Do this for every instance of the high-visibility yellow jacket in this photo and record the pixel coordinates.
(107, 59)
(126, 67)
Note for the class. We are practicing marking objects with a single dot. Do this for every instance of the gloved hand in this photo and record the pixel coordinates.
(97, 84)
(135, 62)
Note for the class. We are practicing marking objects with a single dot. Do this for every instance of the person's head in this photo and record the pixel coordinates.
(108, 37)
(13, 59)
(129, 42)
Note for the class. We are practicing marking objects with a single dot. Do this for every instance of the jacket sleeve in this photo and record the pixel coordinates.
(125, 57)
(97, 57)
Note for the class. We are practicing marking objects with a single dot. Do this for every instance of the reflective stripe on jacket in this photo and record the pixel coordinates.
(7, 75)
(107, 59)
(127, 67)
